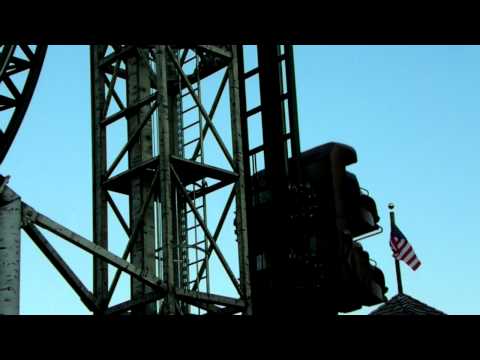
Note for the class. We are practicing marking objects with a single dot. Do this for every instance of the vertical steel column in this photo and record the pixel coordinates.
(269, 243)
(174, 127)
(143, 250)
(276, 157)
(99, 167)
(10, 223)
(273, 120)
(294, 170)
(238, 157)
(178, 203)
(164, 138)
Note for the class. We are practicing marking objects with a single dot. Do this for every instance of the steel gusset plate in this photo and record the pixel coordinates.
(17, 62)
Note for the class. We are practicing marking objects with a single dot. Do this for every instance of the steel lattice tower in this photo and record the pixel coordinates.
(163, 169)
(169, 180)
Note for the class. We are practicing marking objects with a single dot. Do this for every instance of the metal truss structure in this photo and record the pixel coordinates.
(276, 154)
(167, 177)
(164, 145)
(20, 67)
(166, 183)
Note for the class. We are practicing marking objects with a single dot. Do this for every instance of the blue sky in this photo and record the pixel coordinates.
(411, 112)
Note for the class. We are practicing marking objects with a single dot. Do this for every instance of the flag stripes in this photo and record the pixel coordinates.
(402, 250)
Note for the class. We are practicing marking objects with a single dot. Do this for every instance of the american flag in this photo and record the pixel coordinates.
(402, 250)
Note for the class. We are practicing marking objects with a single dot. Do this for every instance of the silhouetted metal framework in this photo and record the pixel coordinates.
(20, 67)
(163, 179)
(166, 175)
(278, 116)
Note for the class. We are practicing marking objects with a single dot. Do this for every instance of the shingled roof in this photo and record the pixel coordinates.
(403, 304)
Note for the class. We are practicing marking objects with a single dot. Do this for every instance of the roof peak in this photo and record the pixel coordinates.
(404, 304)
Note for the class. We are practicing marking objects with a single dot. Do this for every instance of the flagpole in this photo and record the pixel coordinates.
(391, 206)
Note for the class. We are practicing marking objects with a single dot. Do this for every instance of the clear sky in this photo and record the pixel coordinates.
(411, 112)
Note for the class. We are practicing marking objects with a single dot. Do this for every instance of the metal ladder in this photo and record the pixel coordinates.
(193, 244)
(288, 100)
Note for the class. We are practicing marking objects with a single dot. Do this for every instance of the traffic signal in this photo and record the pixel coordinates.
(324, 169)
(313, 262)
(344, 213)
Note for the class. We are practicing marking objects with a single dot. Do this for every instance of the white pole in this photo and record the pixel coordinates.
(10, 223)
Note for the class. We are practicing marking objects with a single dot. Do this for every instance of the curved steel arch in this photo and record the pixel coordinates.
(20, 98)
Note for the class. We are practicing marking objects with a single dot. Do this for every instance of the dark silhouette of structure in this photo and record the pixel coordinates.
(296, 215)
